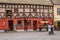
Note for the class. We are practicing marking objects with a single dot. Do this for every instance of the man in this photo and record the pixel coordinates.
(52, 28)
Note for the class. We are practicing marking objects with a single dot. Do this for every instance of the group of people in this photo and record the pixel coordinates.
(51, 29)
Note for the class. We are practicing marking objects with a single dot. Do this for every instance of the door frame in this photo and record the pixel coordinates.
(10, 28)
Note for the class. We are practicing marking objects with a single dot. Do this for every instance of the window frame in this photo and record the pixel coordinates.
(18, 23)
(58, 11)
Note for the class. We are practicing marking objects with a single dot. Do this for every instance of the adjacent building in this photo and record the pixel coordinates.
(56, 4)
(26, 14)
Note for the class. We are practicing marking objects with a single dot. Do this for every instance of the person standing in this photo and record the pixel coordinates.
(49, 29)
(52, 28)
(14, 27)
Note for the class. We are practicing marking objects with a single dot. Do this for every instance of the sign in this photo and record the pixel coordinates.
(57, 18)
(44, 21)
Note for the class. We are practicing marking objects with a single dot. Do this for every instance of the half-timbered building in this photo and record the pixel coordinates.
(26, 14)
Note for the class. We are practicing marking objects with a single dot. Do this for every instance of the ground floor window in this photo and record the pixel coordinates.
(19, 23)
(27, 23)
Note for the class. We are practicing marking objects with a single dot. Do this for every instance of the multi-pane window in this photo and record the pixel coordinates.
(42, 15)
(31, 6)
(27, 10)
(2, 9)
(15, 6)
(27, 6)
(46, 15)
(51, 15)
(0, 5)
(58, 11)
(12, 6)
(19, 23)
(38, 10)
(41, 10)
(41, 7)
(38, 6)
(27, 23)
(9, 13)
(9, 6)
(15, 10)
(3, 6)
(46, 10)
(20, 10)
(21, 6)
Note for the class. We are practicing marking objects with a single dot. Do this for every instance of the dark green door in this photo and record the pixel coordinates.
(59, 25)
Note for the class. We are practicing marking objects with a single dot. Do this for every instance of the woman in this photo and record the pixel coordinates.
(49, 29)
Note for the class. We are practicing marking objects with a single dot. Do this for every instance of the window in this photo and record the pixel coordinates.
(46, 10)
(3, 5)
(15, 10)
(9, 13)
(27, 10)
(41, 15)
(9, 6)
(37, 6)
(34, 10)
(0, 5)
(51, 15)
(38, 10)
(58, 11)
(27, 23)
(19, 23)
(27, 6)
(20, 10)
(21, 6)
(41, 10)
(46, 15)
(12, 6)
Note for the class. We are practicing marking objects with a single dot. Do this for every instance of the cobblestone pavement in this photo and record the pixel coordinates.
(29, 36)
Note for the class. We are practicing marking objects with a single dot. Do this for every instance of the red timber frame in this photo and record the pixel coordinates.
(30, 12)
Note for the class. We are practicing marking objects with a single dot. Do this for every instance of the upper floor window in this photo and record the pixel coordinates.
(58, 11)
(15, 10)
(9, 13)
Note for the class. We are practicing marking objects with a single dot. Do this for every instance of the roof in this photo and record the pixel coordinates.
(56, 1)
(41, 2)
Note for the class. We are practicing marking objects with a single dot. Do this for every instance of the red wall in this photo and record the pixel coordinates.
(4, 22)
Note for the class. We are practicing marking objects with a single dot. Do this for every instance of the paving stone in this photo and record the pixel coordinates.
(29, 36)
